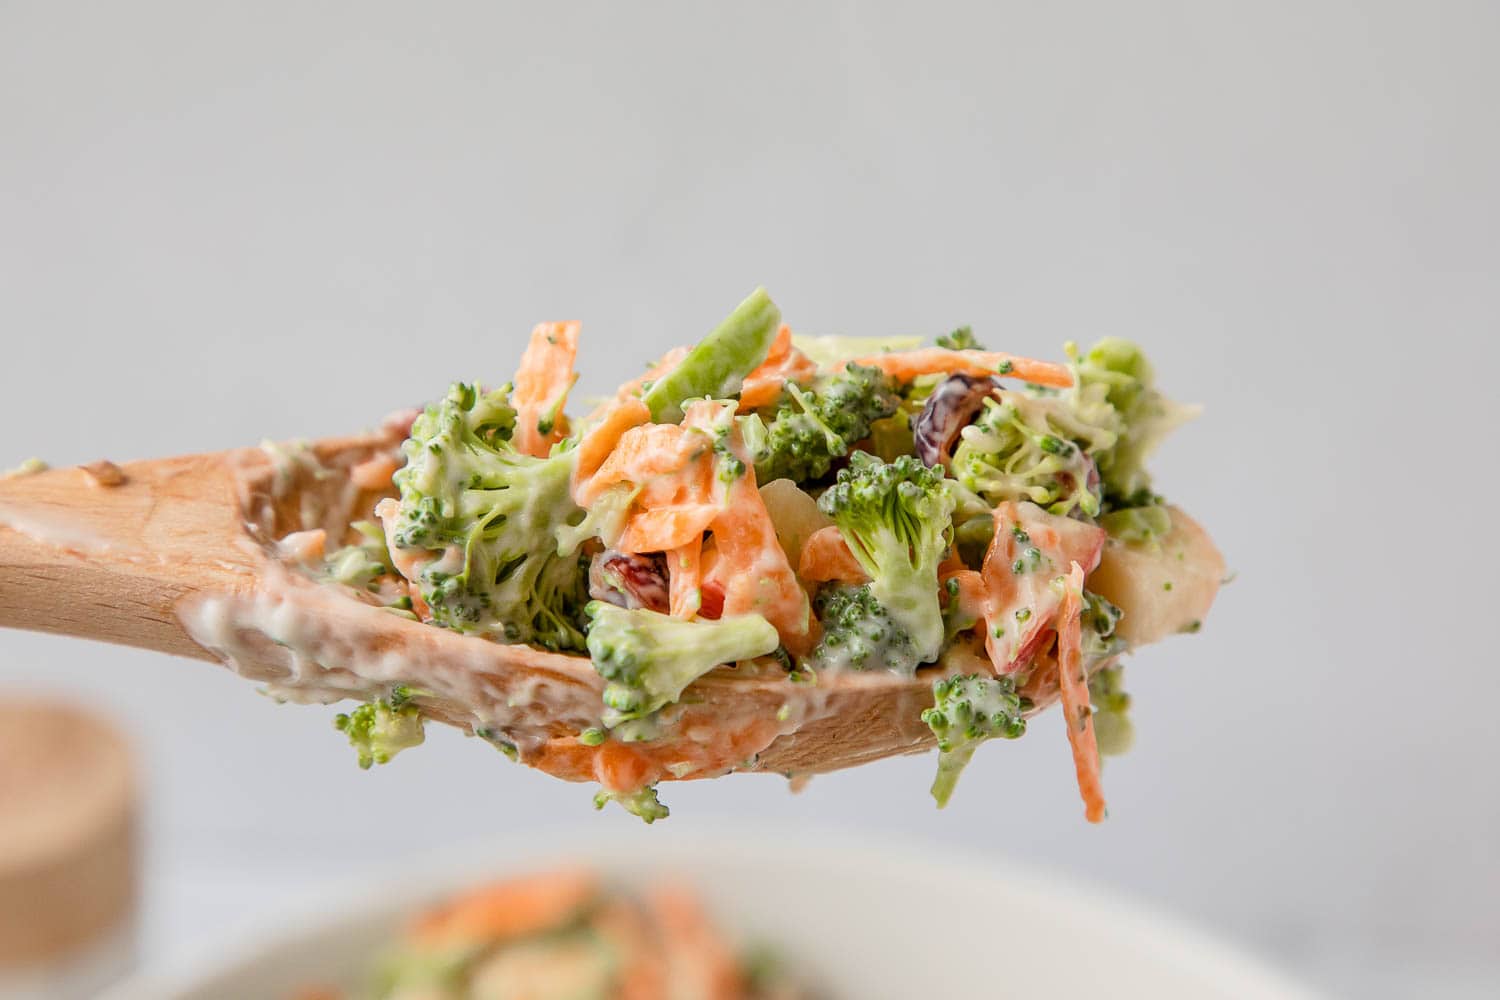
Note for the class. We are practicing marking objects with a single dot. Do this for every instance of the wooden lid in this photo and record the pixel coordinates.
(67, 831)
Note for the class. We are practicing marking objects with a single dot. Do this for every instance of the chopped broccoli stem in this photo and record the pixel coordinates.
(1112, 726)
(965, 712)
(642, 802)
(717, 366)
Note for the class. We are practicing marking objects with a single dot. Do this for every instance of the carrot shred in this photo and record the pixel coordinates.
(662, 529)
(784, 363)
(685, 577)
(510, 909)
(700, 961)
(826, 556)
(907, 365)
(754, 573)
(661, 366)
(1073, 685)
(643, 969)
(541, 387)
(599, 442)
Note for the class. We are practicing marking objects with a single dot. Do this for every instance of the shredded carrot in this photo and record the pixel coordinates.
(541, 387)
(600, 440)
(1021, 607)
(783, 364)
(642, 971)
(972, 597)
(904, 366)
(826, 556)
(374, 473)
(700, 961)
(668, 463)
(661, 366)
(663, 529)
(752, 570)
(1073, 685)
(509, 909)
(685, 577)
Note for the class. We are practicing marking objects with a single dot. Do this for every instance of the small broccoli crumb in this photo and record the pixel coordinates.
(30, 467)
(961, 339)
(380, 729)
(642, 802)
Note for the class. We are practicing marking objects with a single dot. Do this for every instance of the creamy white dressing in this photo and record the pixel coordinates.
(48, 526)
(310, 641)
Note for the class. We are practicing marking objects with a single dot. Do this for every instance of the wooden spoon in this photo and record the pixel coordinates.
(181, 555)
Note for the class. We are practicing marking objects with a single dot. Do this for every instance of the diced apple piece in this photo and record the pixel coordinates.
(1164, 586)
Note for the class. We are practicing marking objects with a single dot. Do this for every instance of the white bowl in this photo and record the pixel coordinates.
(865, 920)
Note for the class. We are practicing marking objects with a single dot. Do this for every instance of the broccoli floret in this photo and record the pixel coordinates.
(380, 729)
(491, 517)
(1082, 449)
(965, 712)
(1116, 372)
(858, 632)
(1023, 447)
(817, 425)
(961, 339)
(649, 658)
(642, 802)
(897, 520)
(1099, 618)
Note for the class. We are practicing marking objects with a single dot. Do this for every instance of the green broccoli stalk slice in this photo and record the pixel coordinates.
(650, 658)
(490, 519)
(717, 366)
(380, 729)
(966, 711)
(817, 425)
(1113, 729)
(859, 633)
(642, 802)
(896, 518)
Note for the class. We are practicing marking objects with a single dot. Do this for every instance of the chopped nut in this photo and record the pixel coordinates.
(104, 473)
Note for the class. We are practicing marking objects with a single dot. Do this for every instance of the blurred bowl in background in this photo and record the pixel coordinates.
(860, 919)
(68, 851)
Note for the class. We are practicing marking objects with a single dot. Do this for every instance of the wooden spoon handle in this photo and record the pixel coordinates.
(106, 552)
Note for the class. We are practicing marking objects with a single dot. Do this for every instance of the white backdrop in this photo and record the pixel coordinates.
(220, 223)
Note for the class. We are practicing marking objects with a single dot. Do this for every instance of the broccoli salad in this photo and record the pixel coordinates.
(567, 935)
(825, 508)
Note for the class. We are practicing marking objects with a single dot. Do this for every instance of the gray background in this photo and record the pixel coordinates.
(220, 223)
